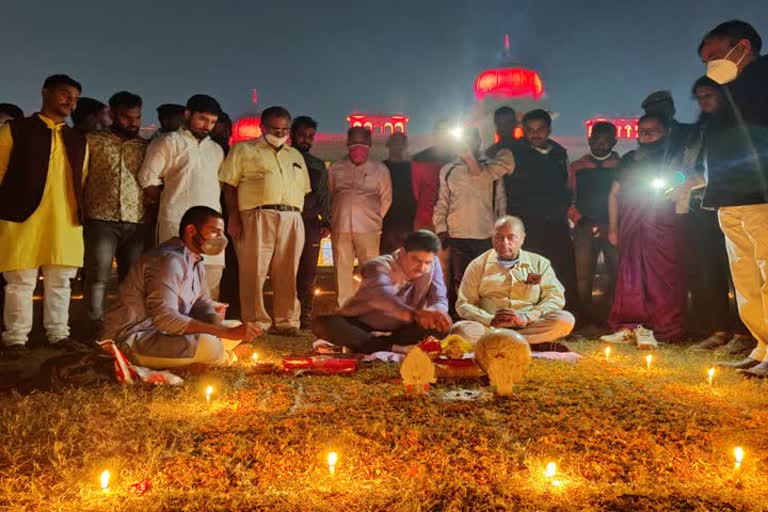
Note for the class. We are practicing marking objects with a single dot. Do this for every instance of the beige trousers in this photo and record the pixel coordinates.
(746, 239)
(347, 247)
(271, 244)
(548, 328)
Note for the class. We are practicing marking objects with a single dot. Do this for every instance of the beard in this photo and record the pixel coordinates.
(130, 132)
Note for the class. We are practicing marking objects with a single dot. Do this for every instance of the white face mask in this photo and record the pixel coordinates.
(275, 141)
(723, 70)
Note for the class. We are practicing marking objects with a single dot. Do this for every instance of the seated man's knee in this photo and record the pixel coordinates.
(564, 323)
(210, 350)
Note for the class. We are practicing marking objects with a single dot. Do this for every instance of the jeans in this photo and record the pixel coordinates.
(104, 241)
(307, 273)
(587, 249)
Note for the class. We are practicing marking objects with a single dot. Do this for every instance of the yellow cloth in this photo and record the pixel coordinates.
(52, 235)
(487, 287)
(264, 176)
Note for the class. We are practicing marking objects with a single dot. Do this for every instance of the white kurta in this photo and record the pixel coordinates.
(188, 171)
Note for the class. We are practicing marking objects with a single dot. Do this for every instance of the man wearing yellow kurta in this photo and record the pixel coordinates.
(509, 288)
(40, 226)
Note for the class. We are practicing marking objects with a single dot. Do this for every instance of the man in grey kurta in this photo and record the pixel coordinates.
(164, 316)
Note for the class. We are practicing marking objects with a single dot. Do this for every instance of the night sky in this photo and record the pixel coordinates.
(327, 59)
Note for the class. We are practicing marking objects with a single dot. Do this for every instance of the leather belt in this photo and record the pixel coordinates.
(278, 207)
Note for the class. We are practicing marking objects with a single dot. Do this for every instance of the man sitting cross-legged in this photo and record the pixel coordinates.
(509, 288)
(400, 301)
(164, 316)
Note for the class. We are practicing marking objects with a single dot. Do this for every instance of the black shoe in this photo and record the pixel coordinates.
(69, 345)
(743, 364)
(13, 352)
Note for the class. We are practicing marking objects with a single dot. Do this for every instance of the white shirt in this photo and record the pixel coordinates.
(188, 171)
(360, 196)
(467, 206)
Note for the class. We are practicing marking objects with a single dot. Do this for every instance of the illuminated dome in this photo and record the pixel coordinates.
(246, 128)
(509, 81)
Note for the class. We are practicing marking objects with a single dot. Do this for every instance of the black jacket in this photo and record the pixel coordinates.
(538, 188)
(736, 142)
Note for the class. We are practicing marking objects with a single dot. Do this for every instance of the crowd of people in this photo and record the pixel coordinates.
(438, 238)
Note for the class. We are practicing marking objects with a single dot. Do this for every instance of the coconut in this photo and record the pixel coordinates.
(505, 356)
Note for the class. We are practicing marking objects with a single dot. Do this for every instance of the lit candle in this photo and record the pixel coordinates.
(105, 480)
(738, 454)
(255, 357)
(208, 393)
(318, 291)
(333, 458)
(710, 375)
(648, 360)
(551, 470)
(607, 353)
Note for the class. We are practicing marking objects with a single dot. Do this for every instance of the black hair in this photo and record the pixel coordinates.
(54, 81)
(663, 121)
(197, 216)
(12, 110)
(504, 111)
(360, 129)
(224, 118)
(604, 128)
(538, 114)
(422, 240)
(124, 99)
(703, 82)
(204, 104)
(276, 111)
(86, 107)
(303, 122)
(167, 110)
(734, 31)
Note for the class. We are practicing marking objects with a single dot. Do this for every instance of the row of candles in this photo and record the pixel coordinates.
(550, 471)
(649, 361)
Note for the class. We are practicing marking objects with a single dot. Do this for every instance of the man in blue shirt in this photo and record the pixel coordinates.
(402, 293)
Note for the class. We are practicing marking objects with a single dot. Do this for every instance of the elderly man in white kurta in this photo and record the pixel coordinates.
(509, 288)
(185, 163)
(361, 194)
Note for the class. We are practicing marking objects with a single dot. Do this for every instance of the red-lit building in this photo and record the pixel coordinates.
(380, 124)
(626, 128)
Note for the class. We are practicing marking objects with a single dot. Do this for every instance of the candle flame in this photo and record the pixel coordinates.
(710, 375)
(208, 393)
(648, 360)
(105, 480)
(318, 291)
(607, 352)
(738, 454)
(551, 470)
(333, 458)
(255, 357)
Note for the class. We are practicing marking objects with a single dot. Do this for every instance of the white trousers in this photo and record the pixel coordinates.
(17, 314)
(746, 239)
(210, 350)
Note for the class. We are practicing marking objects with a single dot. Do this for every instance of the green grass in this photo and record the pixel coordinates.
(624, 438)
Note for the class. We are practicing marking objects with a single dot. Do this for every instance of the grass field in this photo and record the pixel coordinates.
(624, 438)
